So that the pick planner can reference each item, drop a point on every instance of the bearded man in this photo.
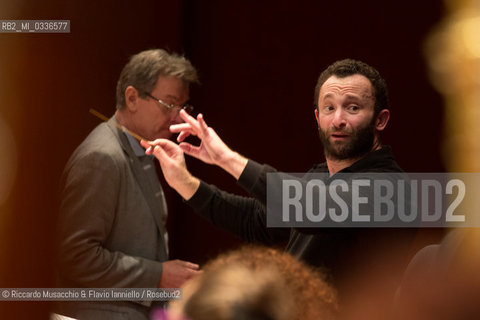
(351, 109)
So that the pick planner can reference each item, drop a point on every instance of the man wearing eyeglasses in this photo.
(112, 231)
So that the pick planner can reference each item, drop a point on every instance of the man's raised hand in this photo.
(212, 149)
(172, 162)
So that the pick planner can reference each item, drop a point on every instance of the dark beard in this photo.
(360, 144)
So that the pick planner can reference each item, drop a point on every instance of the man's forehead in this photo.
(172, 87)
(354, 85)
(171, 82)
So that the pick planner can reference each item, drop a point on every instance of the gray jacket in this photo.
(111, 223)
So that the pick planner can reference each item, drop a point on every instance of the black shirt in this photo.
(340, 251)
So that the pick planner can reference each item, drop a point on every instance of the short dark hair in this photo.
(350, 67)
(144, 68)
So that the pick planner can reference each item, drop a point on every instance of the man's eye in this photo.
(328, 108)
(354, 108)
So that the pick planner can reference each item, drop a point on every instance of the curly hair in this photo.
(309, 295)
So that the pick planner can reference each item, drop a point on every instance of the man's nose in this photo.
(339, 120)
(175, 117)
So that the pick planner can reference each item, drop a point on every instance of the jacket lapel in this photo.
(156, 203)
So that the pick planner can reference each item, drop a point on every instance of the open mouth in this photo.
(339, 135)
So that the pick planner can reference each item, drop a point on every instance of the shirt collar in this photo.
(380, 158)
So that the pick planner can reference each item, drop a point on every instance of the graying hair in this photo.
(144, 68)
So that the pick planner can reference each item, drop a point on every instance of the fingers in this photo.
(192, 269)
(160, 142)
(176, 272)
(182, 136)
(147, 146)
(162, 149)
(160, 154)
(186, 117)
(190, 265)
(189, 269)
(194, 125)
(194, 272)
(191, 150)
(175, 128)
(185, 130)
(184, 264)
(167, 145)
(203, 124)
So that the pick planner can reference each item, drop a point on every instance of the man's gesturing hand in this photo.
(212, 149)
(172, 162)
(176, 272)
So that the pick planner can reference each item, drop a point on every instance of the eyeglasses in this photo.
(187, 107)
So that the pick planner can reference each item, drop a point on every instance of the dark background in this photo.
(258, 62)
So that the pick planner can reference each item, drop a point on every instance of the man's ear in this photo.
(316, 116)
(131, 98)
(382, 119)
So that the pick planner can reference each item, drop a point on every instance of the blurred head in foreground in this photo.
(255, 283)
(442, 281)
